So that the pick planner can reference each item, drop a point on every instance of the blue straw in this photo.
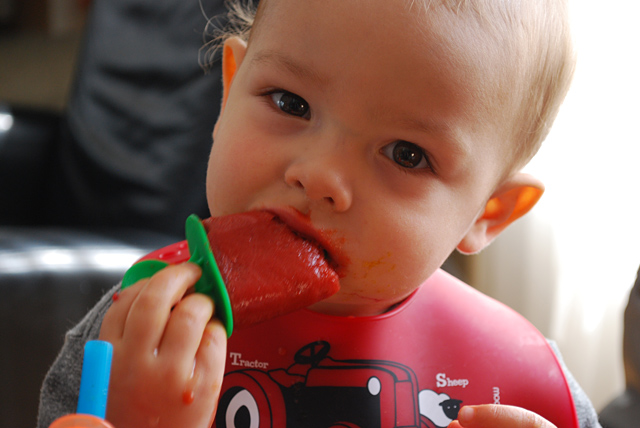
(94, 384)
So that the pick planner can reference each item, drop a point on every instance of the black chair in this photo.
(624, 410)
(85, 193)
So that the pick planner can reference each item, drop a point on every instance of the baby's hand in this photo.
(168, 355)
(498, 416)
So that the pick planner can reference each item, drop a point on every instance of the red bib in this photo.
(446, 346)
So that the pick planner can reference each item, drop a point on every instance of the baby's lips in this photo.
(301, 225)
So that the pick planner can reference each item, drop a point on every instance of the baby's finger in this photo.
(115, 318)
(500, 416)
(151, 309)
(184, 330)
(211, 357)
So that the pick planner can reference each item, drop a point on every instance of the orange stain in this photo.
(381, 262)
(188, 396)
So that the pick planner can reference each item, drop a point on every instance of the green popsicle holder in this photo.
(210, 283)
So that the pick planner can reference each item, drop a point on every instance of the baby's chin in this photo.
(345, 304)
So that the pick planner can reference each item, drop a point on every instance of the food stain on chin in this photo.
(378, 263)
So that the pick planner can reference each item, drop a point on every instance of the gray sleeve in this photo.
(59, 393)
(587, 415)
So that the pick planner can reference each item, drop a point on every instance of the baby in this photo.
(399, 129)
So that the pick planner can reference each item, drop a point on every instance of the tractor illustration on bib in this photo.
(317, 391)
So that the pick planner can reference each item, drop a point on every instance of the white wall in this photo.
(576, 255)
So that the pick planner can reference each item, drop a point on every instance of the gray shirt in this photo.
(59, 394)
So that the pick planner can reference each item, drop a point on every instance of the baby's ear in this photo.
(232, 55)
(511, 200)
(233, 52)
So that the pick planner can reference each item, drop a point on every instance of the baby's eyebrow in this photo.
(459, 147)
(297, 68)
(427, 126)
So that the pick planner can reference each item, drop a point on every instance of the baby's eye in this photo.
(407, 155)
(291, 103)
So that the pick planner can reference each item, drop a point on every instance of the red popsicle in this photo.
(268, 268)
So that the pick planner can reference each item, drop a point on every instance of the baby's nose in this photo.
(321, 180)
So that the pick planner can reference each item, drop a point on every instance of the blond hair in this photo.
(533, 37)
(239, 23)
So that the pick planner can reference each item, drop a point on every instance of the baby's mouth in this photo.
(301, 226)
(321, 250)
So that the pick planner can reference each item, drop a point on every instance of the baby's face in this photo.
(368, 121)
